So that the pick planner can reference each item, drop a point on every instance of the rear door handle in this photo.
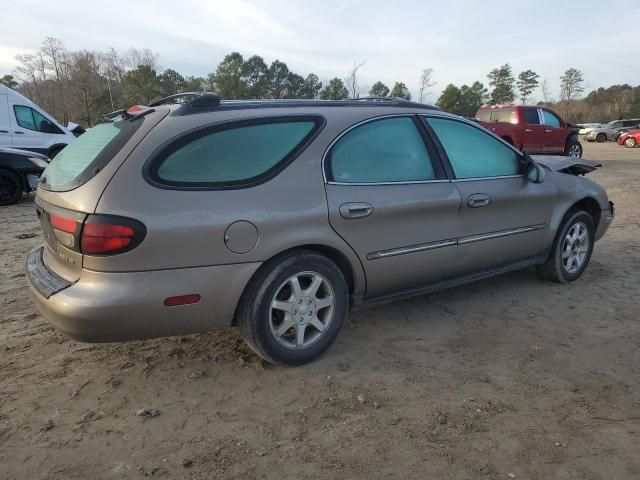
(355, 210)
(548, 131)
(478, 200)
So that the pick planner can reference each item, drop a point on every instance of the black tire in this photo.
(10, 187)
(255, 317)
(554, 268)
(630, 142)
(601, 137)
(573, 144)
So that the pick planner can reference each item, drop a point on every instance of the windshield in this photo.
(91, 152)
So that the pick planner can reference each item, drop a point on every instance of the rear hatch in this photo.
(72, 184)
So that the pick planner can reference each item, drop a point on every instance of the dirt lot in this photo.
(508, 378)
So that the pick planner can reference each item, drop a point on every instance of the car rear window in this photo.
(502, 115)
(233, 155)
(80, 161)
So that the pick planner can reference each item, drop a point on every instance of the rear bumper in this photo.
(606, 218)
(105, 307)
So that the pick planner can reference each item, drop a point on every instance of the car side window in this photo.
(24, 117)
(474, 153)
(43, 124)
(381, 151)
(28, 118)
(531, 115)
(233, 155)
(550, 119)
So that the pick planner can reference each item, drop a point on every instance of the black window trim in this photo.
(59, 131)
(445, 158)
(436, 161)
(151, 166)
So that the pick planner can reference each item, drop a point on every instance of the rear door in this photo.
(503, 218)
(5, 125)
(390, 200)
(555, 133)
(532, 131)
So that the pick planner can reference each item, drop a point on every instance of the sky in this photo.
(462, 40)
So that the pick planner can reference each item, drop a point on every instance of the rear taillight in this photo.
(110, 234)
(64, 224)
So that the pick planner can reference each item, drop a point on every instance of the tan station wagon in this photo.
(281, 216)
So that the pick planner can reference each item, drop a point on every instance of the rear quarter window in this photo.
(233, 155)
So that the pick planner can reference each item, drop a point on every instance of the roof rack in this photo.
(194, 99)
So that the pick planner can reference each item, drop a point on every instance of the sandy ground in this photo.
(512, 377)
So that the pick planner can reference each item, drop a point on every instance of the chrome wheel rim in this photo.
(575, 151)
(630, 142)
(301, 310)
(575, 247)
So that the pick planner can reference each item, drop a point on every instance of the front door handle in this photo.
(478, 200)
(19, 133)
(4, 131)
(548, 131)
(528, 130)
(355, 210)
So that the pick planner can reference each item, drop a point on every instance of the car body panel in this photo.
(635, 134)
(211, 242)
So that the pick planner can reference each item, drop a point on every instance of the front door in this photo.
(389, 199)
(504, 218)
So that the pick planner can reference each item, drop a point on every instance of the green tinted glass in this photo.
(550, 119)
(233, 155)
(75, 158)
(389, 150)
(24, 117)
(472, 152)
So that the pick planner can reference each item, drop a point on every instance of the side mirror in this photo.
(534, 172)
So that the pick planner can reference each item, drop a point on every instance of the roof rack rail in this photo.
(380, 99)
(184, 97)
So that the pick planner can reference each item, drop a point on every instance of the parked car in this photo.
(630, 139)
(531, 129)
(19, 172)
(281, 216)
(608, 131)
(26, 126)
(585, 127)
(620, 131)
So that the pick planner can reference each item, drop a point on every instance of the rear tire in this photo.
(280, 302)
(630, 142)
(573, 148)
(571, 250)
(601, 137)
(10, 187)
(55, 151)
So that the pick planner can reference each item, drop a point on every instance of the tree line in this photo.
(601, 105)
(82, 86)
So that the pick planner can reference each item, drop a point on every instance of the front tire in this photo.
(630, 142)
(573, 148)
(571, 250)
(10, 187)
(601, 137)
(293, 308)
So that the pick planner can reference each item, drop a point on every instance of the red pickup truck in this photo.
(536, 130)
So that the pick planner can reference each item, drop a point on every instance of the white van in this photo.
(26, 126)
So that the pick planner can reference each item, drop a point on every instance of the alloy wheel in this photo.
(301, 310)
(575, 151)
(575, 248)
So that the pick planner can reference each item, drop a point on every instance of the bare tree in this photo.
(426, 82)
(136, 57)
(546, 91)
(352, 80)
(571, 86)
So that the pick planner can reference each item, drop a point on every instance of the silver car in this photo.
(282, 216)
(610, 130)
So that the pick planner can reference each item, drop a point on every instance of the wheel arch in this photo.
(332, 253)
(55, 147)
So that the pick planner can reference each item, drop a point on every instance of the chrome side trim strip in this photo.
(456, 180)
(413, 249)
(501, 233)
(411, 182)
(452, 242)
